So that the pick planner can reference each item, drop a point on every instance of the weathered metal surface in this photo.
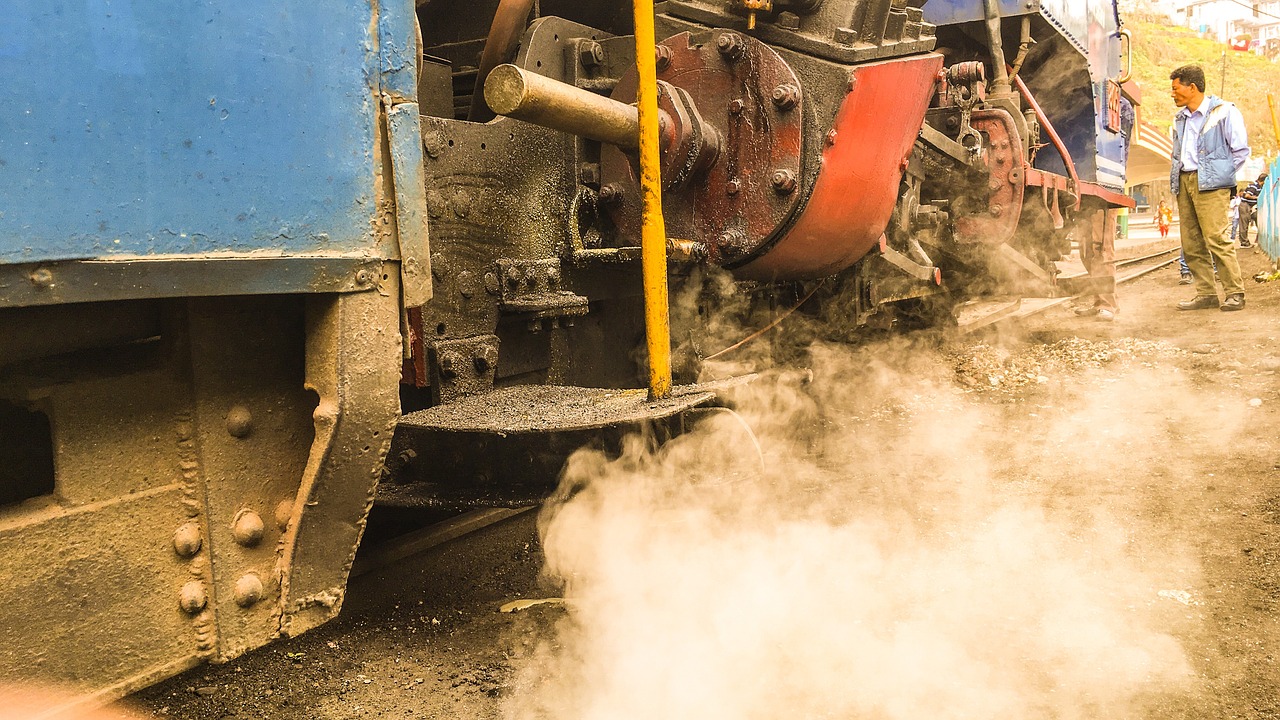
(157, 547)
(353, 365)
(75, 281)
(1111, 197)
(91, 593)
(191, 129)
(500, 46)
(864, 158)
(996, 217)
(508, 195)
(532, 290)
(199, 502)
(506, 448)
(844, 31)
(398, 49)
(548, 408)
(463, 366)
(749, 97)
(405, 135)
(243, 446)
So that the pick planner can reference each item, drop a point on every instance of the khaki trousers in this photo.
(1205, 227)
(1098, 252)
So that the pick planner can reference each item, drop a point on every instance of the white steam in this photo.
(897, 555)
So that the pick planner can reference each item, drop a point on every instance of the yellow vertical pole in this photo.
(653, 235)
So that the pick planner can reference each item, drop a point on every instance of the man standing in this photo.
(1209, 147)
(1249, 208)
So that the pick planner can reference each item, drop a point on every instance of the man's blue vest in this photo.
(1217, 168)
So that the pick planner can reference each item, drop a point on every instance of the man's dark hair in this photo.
(1189, 75)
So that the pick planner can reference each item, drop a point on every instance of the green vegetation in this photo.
(1159, 47)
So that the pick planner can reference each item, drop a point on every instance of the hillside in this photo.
(1158, 48)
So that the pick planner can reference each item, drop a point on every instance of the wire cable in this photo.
(770, 326)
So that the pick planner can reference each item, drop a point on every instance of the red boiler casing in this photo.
(862, 165)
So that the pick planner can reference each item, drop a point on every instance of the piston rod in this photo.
(534, 98)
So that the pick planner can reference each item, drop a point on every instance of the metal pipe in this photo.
(1053, 137)
(653, 234)
(537, 99)
(992, 11)
(499, 47)
(1024, 44)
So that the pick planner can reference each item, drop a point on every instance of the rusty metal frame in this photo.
(74, 281)
(353, 364)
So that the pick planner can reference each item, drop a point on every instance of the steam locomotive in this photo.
(263, 266)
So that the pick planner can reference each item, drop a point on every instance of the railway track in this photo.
(979, 315)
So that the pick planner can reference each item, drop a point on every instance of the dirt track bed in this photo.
(1064, 519)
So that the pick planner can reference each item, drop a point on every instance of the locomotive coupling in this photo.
(689, 145)
(536, 99)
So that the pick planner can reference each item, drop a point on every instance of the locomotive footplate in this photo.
(506, 448)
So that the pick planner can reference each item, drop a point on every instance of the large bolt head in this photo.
(449, 364)
(192, 598)
(730, 45)
(785, 97)
(784, 182)
(187, 540)
(485, 359)
(42, 278)
(611, 194)
(248, 590)
(732, 238)
(239, 421)
(247, 528)
(591, 54)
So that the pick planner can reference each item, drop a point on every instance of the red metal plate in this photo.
(857, 186)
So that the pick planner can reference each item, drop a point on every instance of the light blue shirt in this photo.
(1233, 130)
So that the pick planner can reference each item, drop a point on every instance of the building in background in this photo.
(1244, 25)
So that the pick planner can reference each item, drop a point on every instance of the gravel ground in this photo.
(1161, 422)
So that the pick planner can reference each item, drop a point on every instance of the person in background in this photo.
(1096, 233)
(1185, 279)
(1164, 218)
(1209, 147)
(1249, 208)
(1233, 212)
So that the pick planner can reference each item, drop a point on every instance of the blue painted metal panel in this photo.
(398, 49)
(409, 170)
(186, 128)
(1269, 214)
(954, 12)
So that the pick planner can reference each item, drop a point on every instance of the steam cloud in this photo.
(888, 550)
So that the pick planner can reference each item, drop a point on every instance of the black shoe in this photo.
(1245, 245)
(1234, 301)
(1086, 310)
(1203, 302)
(1186, 280)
